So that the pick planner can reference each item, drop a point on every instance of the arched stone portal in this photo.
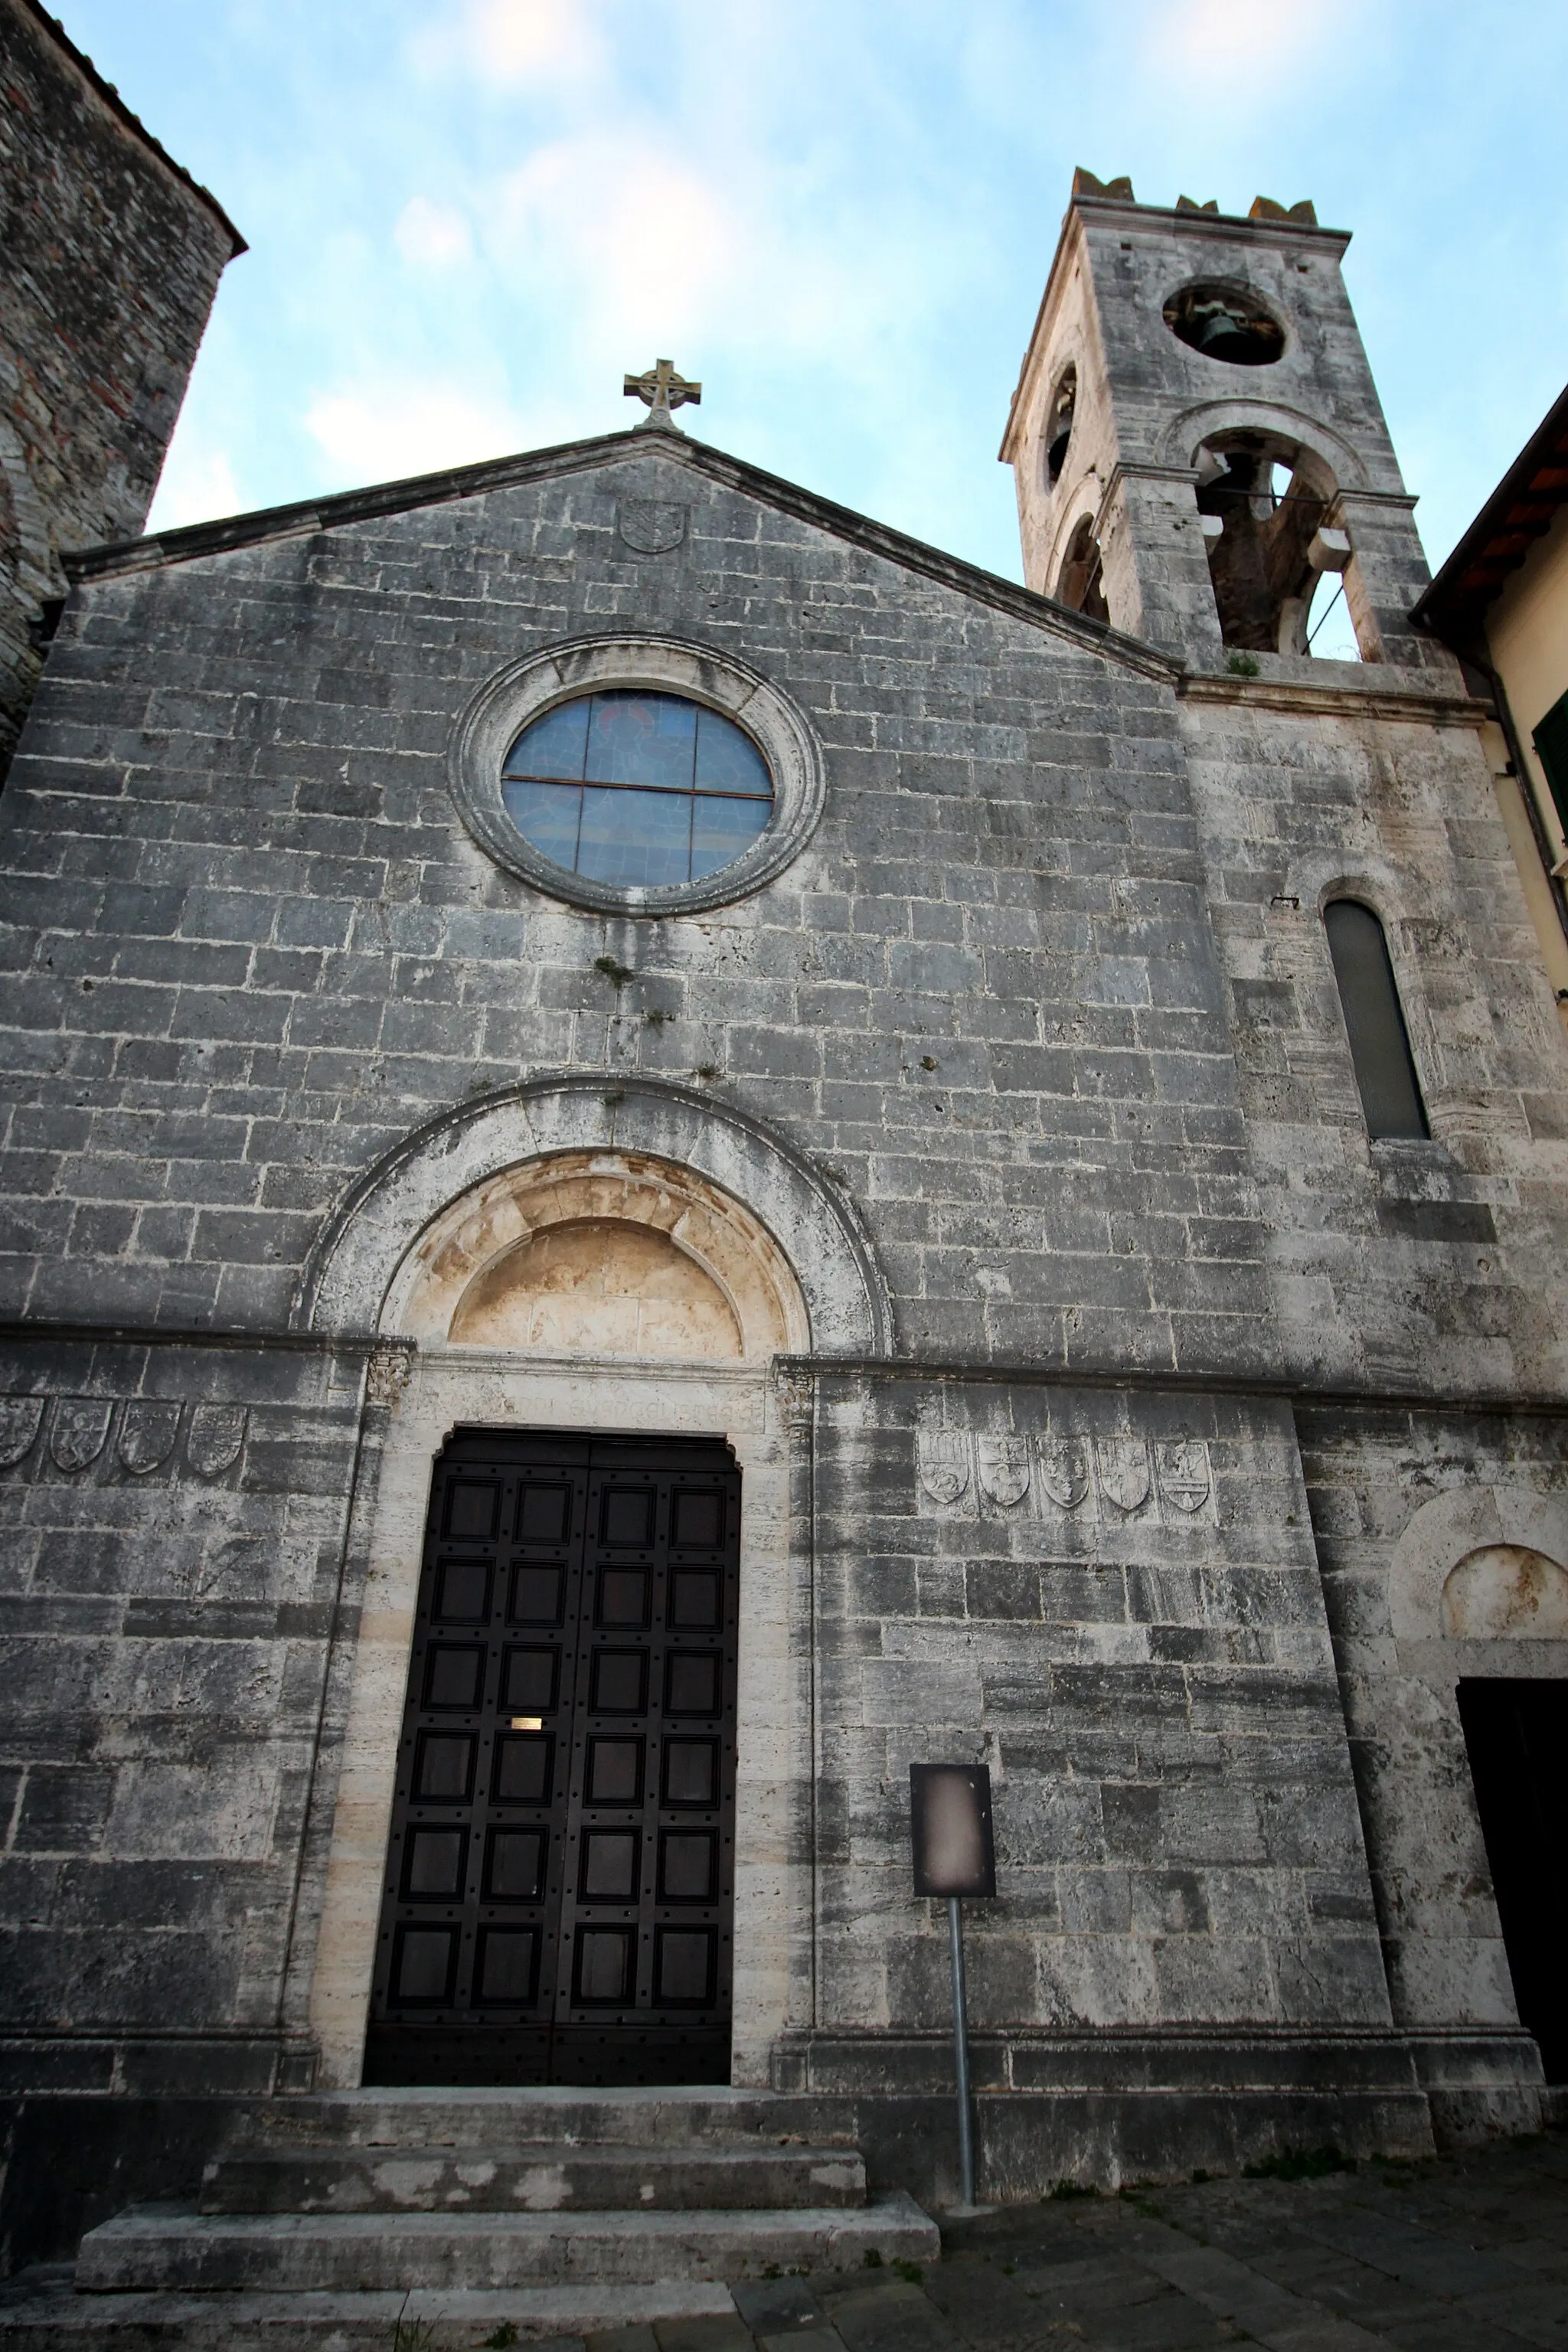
(366, 1240)
(594, 1288)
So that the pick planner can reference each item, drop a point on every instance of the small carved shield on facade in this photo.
(1184, 1466)
(19, 1419)
(944, 1463)
(78, 1428)
(1064, 1470)
(1004, 1465)
(651, 525)
(1122, 1463)
(147, 1433)
(215, 1437)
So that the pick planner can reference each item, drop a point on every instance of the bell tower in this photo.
(1201, 455)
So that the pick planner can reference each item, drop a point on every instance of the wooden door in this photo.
(558, 1895)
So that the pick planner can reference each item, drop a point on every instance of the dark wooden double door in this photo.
(559, 1891)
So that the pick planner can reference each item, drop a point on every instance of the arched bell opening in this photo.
(1059, 425)
(1275, 562)
(1080, 582)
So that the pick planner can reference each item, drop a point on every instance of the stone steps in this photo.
(539, 2178)
(170, 2250)
(446, 2218)
(51, 2316)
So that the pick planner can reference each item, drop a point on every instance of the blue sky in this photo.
(469, 216)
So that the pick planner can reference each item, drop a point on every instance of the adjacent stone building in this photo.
(110, 257)
(602, 980)
(1501, 601)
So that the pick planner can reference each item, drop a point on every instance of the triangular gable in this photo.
(406, 497)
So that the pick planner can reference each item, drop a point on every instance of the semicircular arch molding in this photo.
(348, 1278)
(600, 1253)
(1187, 433)
(1453, 1530)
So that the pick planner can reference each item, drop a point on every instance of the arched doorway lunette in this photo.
(606, 1252)
(365, 1239)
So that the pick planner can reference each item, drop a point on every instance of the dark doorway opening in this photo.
(558, 1904)
(1517, 1735)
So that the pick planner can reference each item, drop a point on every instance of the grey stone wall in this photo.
(251, 945)
(1120, 1613)
(1411, 1265)
(110, 257)
(173, 1571)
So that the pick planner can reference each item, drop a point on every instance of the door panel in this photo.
(559, 1893)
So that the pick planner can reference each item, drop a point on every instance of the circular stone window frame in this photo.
(526, 689)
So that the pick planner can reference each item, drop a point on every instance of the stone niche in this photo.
(600, 1253)
(1505, 1591)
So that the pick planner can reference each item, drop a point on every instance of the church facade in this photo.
(667, 1152)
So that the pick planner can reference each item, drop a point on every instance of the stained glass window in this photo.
(632, 787)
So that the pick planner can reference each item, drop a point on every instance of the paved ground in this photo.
(1467, 2254)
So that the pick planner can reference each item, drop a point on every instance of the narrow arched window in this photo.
(1380, 1045)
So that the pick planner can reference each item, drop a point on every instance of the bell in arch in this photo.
(1225, 335)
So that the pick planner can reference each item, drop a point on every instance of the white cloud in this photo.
(518, 43)
(376, 432)
(1237, 44)
(432, 235)
(641, 243)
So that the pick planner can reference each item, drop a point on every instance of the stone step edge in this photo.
(730, 2233)
(539, 2151)
(454, 2316)
(237, 2181)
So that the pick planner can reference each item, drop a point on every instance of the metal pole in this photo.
(961, 2051)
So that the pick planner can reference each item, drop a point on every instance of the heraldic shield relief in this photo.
(943, 1463)
(1122, 1463)
(1004, 1467)
(1064, 1470)
(1113, 1479)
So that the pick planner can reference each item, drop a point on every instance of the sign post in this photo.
(955, 1856)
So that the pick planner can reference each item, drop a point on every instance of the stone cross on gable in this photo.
(661, 390)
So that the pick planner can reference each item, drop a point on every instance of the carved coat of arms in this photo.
(1004, 1468)
(1184, 1466)
(653, 526)
(214, 1439)
(1064, 1470)
(78, 1427)
(19, 1419)
(1122, 1465)
(943, 1463)
(148, 1429)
